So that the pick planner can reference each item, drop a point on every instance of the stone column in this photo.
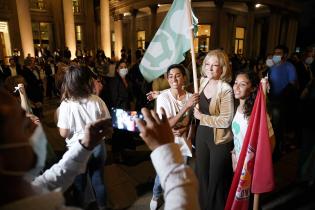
(89, 26)
(105, 27)
(57, 24)
(118, 35)
(69, 27)
(51, 37)
(274, 29)
(217, 25)
(291, 36)
(25, 26)
(250, 30)
(133, 36)
(257, 38)
(231, 33)
(153, 9)
(283, 30)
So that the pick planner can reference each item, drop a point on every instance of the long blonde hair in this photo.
(224, 64)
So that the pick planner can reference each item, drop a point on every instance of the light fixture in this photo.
(258, 5)
(127, 13)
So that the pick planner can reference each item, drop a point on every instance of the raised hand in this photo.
(153, 130)
(193, 100)
(197, 113)
(152, 95)
(96, 132)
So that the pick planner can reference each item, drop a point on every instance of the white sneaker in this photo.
(156, 203)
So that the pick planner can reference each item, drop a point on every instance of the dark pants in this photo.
(50, 87)
(213, 170)
(90, 186)
(121, 140)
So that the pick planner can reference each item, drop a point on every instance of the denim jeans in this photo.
(157, 188)
(90, 186)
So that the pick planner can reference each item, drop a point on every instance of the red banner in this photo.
(254, 171)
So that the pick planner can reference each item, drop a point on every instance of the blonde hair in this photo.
(223, 61)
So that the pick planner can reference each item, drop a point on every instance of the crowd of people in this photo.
(208, 127)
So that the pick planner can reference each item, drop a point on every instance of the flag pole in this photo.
(192, 51)
(256, 201)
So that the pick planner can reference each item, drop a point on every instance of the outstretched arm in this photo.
(75, 159)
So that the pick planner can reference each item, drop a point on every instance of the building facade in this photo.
(249, 27)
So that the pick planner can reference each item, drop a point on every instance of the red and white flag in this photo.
(254, 171)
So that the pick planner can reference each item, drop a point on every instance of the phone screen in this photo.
(125, 120)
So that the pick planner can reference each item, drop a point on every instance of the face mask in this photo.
(269, 62)
(123, 72)
(309, 60)
(38, 142)
(276, 59)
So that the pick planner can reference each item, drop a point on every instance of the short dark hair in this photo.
(77, 83)
(284, 49)
(120, 62)
(178, 66)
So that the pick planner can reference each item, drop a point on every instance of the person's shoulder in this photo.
(95, 98)
(225, 85)
(164, 95)
(203, 80)
(287, 65)
(65, 102)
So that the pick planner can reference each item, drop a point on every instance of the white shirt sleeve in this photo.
(177, 179)
(62, 174)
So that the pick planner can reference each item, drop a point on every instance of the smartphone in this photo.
(125, 120)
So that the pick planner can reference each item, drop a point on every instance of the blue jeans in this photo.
(157, 188)
(90, 186)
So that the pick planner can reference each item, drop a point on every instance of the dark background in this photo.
(306, 31)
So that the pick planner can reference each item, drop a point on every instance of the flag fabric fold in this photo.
(254, 171)
(170, 42)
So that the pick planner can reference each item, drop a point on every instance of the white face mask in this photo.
(276, 59)
(38, 142)
(123, 72)
(269, 62)
(309, 60)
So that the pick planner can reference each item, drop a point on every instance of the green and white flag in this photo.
(170, 42)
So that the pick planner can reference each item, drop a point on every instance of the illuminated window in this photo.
(38, 4)
(141, 39)
(202, 41)
(239, 40)
(76, 6)
(5, 45)
(78, 35)
(41, 34)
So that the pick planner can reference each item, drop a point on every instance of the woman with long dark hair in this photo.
(245, 90)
